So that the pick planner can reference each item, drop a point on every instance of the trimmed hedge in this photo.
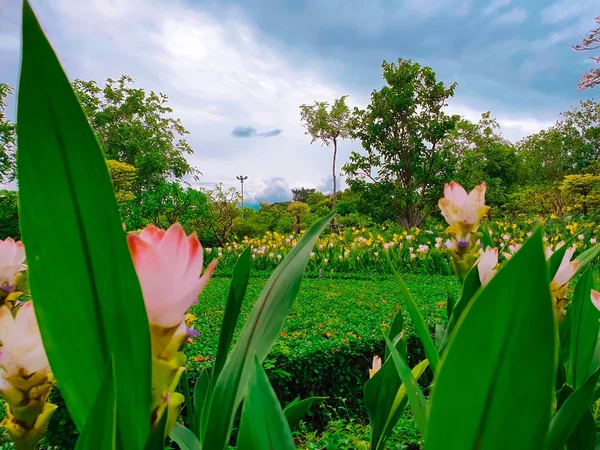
(325, 349)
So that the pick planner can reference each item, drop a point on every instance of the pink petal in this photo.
(455, 193)
(596, 299)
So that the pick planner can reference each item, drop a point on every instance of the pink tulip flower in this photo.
(12, 257)
(168, 264)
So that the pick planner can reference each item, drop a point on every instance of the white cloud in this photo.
(513, 126)
(515, 15)
(218, 71)
(494, 6)
(563, 10)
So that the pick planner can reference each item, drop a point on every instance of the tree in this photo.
(166, 204)
(484, 155)
(299, 211)
(136, 127)
(568, 147)
(9, 215)
(302, 194)
(7, 138)
(583, 189)
(329, 126)
(589, 43)
(222, 212)
(123, 177)
(402, 173)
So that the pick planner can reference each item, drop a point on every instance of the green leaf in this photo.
(100, 431)
(156, 439)
(184, 438)
(237, 291)
(263, 424)
(417, 319)
(584, 435)
(586, 257)
(201, 390)
(585, 326)
(189, 406)
(395, 330)
(507, 330)
(486, 239)
(450, 302)
(416, 399)
(257, 337)
(297, 409)
(571, 413)
(88, 300)
(385, 399)
(470, 286)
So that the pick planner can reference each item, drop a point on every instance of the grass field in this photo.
(328, 314)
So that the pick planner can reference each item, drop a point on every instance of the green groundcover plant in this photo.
(109, 323)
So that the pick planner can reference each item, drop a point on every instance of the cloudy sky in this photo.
(236, 71)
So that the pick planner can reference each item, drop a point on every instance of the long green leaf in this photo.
(237, 291)
(588, 256)
(385, 399)
(585, 326)
(584, 435)
(263, 425)
(257, 337)
(416, 399)
(100, 431)
(185, 438)
(500, 363)
(88, 300)
(297, 409)
(571, 413)
(417, 319)
(201, 393)
(469, 288)
(395, 330)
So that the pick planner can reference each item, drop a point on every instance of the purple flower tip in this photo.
(192, 333)
(463, 243)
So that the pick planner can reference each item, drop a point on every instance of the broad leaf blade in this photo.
(201, 392)
(508, 329)
(385, 399)
(416, 399)
(584, 330)
(571, 413)
(100, 431)
(296, 410)
(237, 291)
(257, 337)
(185, 438)
(417, 319)
(263, 424)
(584, 435)
(88, 300)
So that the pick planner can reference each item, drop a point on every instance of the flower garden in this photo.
(474, 333)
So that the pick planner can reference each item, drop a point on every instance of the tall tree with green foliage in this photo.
(404, 166)
(302, 194)
(484, 155)
(136, 127)
(328, 125)
(7, 138)
(568, 147)
(9, 215)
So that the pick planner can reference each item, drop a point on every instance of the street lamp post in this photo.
(242, 178)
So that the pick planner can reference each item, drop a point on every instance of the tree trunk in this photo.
(333, 173)
(410, 217)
